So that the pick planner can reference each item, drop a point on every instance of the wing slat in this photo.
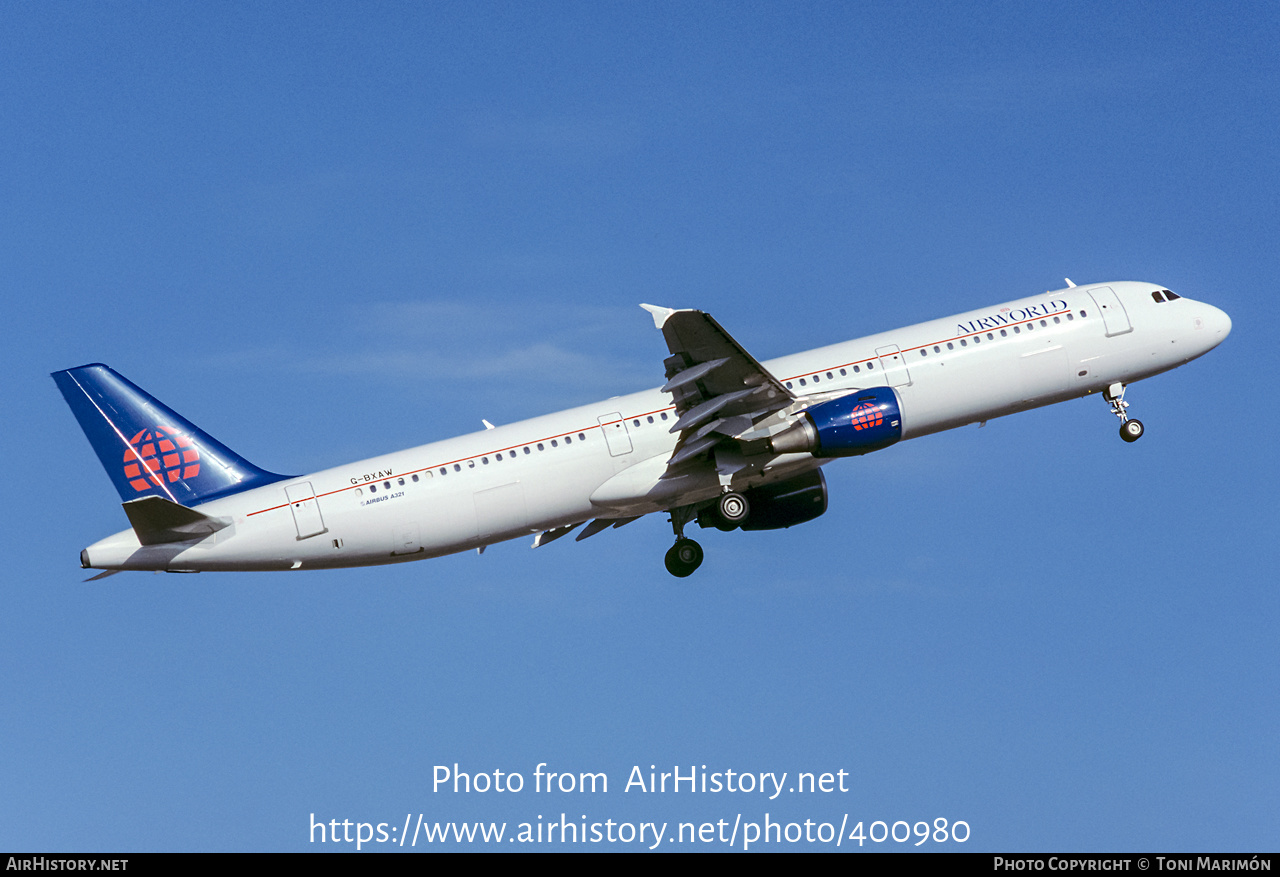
(720, 391)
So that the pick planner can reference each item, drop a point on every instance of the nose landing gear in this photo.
(1130, 430)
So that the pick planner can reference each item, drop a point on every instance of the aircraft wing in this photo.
(720, 390)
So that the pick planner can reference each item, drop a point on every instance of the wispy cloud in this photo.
(556, 350)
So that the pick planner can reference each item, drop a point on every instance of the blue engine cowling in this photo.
(787, 503)
(846, 427)
(857, 424)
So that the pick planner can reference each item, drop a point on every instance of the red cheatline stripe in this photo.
(647, 413)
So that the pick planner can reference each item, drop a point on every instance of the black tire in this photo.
(683, 558)
(734, 508)
(1131, 430)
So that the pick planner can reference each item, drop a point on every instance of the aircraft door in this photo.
(1044, 372)
(406, 539)
(1113, 313)
(894, 365)
(615, 433)
(501, 510)
(306, 510)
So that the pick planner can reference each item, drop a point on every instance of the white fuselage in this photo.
(606, 460)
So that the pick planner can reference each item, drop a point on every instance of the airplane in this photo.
(727, 442)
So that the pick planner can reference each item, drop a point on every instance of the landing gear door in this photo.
(1113, 314)
(615, 433)
(306, 510)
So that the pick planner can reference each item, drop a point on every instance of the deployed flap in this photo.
(719, 389)
(552, 535)
(157, 520)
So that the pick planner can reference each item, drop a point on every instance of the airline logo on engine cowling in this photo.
(158, 455)
(1008, 316)
(866, 416)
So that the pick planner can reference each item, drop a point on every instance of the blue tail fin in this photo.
(148, 449)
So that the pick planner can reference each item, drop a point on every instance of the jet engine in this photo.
(858, 423)
(776, 506)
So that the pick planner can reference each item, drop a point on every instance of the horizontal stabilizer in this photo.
(157, 521)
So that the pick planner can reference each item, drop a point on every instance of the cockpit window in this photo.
(1159, 297)
(1171, 295)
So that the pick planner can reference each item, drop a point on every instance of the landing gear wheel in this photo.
(683, 558)
(1131, 430)
(734, 508)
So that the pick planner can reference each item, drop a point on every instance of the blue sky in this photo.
(326, 231)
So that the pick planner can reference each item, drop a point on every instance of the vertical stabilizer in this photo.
(146, 447)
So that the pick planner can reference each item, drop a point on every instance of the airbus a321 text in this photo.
(726, 442)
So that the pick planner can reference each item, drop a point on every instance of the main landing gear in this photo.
(727, 514)
(684, 557)
(1130, 430)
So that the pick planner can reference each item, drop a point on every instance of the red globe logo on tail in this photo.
(160, 454)
(867, 416)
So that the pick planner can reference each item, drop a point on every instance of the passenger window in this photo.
(1044, 324)
(1083, 313)
(802, 383)
(991, 336)
(373, 488)
(664, 414)
(924, 352)
(568, 440)
(457, 467)
(401, 481)
(635, 423)
(1004, 333)
(387, 485)
(1070, 318)
(816, 378)
(1057, 320)
(1017, 331)
(444, 471)
(950, 346)
(870, 366)
(582, 436)
(856, 369)
(843, 373)
(553, 444)
(937, 349)
(964, 343)
(526, 449)
(540, 447)
(471, 464)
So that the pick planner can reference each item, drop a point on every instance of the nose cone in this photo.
(1217, 323)
(1223, 322)
(1212, 326)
